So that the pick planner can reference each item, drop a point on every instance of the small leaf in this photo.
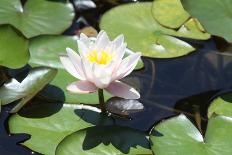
(28, 88)
(123, 106)
(222, 105)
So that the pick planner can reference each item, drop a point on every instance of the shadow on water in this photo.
(168, 87)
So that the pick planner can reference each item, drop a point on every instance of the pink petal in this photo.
(128, 64)
(82, 87)
(70, 67)
(122, 90)
(76, 61)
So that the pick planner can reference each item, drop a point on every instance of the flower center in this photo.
(101, 57)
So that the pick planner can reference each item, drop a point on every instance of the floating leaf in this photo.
(144, 34)
(48, 124)
(37, 17)
(28, 88)
(123, 107)
(45, 51)
(221, 105)
(14, 48)
(214, 15)
(105, 140)
(178, 136)
(169, 13)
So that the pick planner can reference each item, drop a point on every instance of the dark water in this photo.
(168, 86)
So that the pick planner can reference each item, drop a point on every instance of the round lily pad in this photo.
(144, 34)
(37, 17)
(105, 140)
(14, 48)
(169, 13)
(178, 136)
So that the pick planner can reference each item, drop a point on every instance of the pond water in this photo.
(168, 86)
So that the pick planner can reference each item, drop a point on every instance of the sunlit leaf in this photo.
(214, 15)
(13, 48)
(144, 34)
(178, 136)
(28, 88)
(37, 17)
(105, 140)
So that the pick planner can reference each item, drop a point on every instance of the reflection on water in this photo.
(168, 86)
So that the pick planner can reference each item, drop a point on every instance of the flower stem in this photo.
(101, 100)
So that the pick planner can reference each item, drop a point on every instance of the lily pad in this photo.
(37, 17)
(28, 88)
(105, 140)
(169, 13)
(48, 124)
(14, 48)
(178, 136)
(215, 16)
(144, 34)
(221, 105)
(45, 51)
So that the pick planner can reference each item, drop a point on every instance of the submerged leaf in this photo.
(122, 106)
(28, 88)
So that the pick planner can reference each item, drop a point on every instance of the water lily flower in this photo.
(100, 65)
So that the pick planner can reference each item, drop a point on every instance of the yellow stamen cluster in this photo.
(102, 57)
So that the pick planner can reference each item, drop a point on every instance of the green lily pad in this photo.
(48, 124)
(215, 16)
(144, 34)
(105, 140)
(37, 17)
(28, 88)
(45, 51)
(169, 13)
(14, 48)
(178, 136)
(221, 105)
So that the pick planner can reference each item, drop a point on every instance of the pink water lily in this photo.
(100, 65)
